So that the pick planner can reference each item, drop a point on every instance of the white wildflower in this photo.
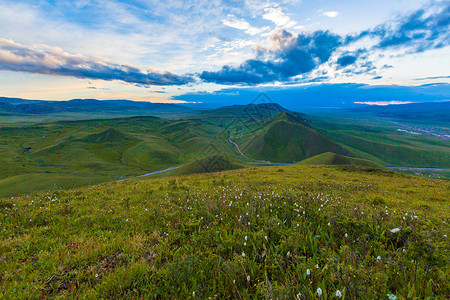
(319, 292)
(338, 294)
(248, 277)
(308, 272)
(379, 258)
(394, 230)
(243, 254)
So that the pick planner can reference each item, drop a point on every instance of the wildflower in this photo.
(317, 266)
(338, 294)
(391, 296)
(245, 244)
(193, 294)
(319, 292)
(245, 238)
(96, 275)
(308, 272)
(329, 224)
(248, 277)
(299, 295)
(243, 254)
(265, 237)
(346, 235)
(379, 258)
(394, 230)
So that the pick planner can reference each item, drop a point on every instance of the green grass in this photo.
(272, 232)
(330, 158)
(28, 183)
(209, 164)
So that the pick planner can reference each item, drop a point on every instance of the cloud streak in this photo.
(43, 59)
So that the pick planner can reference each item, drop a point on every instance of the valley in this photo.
(67, 154)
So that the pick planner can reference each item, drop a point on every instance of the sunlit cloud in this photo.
(43, 59)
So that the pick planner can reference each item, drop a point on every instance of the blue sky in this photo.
(194, 51)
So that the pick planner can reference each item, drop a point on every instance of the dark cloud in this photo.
(54, 61)
(289, 55)
(346, 60)
(421, 30)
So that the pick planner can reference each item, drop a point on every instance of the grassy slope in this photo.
(208, 164)
(285, 140)
(171, 237)
(330, 158)
(28, 183)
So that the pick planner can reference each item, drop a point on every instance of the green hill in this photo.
(330, 158)
(209, 164)
(287, 138)
(7, 108)
(279, 232)
(110, 136)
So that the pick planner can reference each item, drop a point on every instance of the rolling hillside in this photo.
(101, 150)
(209, 164)
(333, 159)
(287, 138)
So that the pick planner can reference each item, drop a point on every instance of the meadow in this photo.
(66, 154)
(303, 232)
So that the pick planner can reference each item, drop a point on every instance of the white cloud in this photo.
(330, 14)
(234, 22)
(278, 17)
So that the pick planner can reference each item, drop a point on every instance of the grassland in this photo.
(272, 232)
(333, 159)
(67, 154)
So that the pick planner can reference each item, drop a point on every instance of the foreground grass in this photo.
(275, 232)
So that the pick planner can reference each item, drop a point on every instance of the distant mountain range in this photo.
(430, 111)
(17, 106)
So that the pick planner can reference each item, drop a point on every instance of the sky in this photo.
(302, 52)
